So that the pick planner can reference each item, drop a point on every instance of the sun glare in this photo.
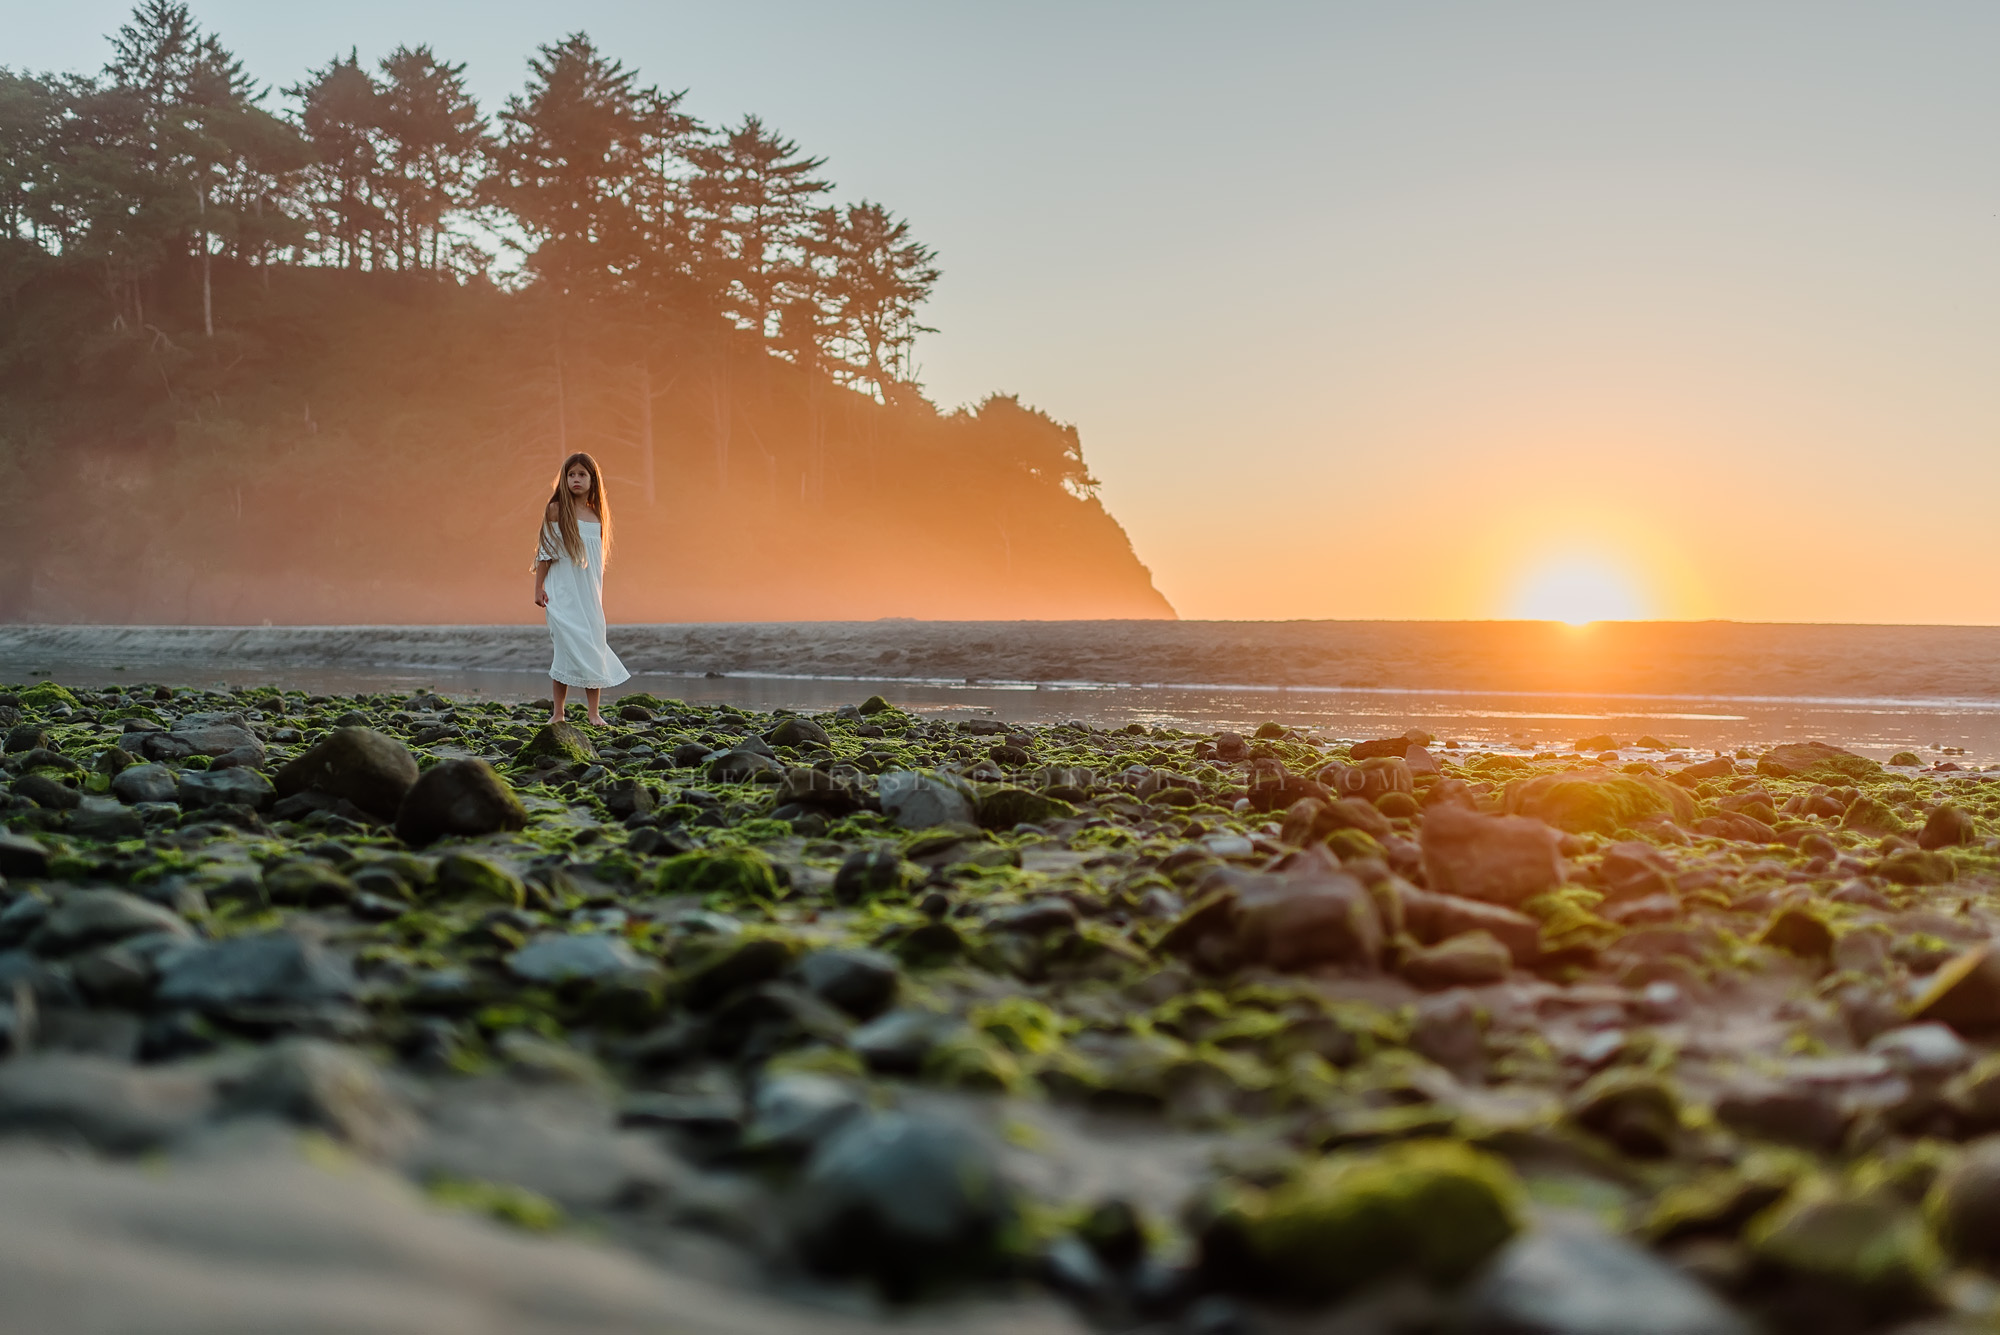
(1577, 590)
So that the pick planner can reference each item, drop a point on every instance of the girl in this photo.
(576, 538)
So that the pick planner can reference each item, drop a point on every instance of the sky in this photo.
(1413, 310)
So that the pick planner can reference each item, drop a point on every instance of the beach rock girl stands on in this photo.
(569, 584)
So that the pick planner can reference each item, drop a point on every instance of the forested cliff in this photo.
(314, 356)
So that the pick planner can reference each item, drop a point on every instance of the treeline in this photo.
(600, 186)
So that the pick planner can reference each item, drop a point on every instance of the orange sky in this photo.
(1373, 310)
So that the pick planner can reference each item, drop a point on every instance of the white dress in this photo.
(576, 611)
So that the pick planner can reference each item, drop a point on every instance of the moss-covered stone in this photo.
(559, 741)
(46, 695)
(730, 873)
(1003, 806)
(1437, 1208)
(1870, 1246)
(466, 876)
(1866, 815)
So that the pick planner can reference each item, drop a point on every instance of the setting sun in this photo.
(1577, 590)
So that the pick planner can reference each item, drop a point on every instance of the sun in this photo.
(1578, 590)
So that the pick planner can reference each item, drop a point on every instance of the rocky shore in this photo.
(406, 1013)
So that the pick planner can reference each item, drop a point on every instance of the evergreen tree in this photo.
(575, 159)
(755, 198)
(339, 113)
(880, 276)
(433, 145)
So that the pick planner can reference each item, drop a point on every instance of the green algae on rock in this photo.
(1435, 1207)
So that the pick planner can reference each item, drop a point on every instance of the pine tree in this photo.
(433, 145)
(341, 108)
(755, 197)
(880, 276)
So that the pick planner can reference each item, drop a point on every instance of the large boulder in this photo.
(463, 797)
(1500, 859)
(371, 769)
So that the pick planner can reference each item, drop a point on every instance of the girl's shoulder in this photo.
(553, 513)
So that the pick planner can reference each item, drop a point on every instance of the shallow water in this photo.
(1500, 720)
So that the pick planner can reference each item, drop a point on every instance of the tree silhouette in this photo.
(434, 144)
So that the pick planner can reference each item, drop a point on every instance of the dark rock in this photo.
(910, 1202)
(1432, 918)
(1388, 746)
(1049, 914)
(796, 1112)
(861, 982)
(1003, 807)
(105, 819)
(796, 732)
(1793, 1114)
(217, 734)
(1230, 747)
(328, 1088)
(26, 737)
(625, 798)
(371, 769)
(558, 958)
(111, 1105)
(85, 918)
(831, 794)
(44, 791)
(266, 969)
(306, 883)
(145, 783)
(1501, 859)
(22, 856)
(458, 797)
(741, 765)
(165, 746)
(921, 801)
(897, 1043)
(688, 753)
(1470, 959)
(1569, 1279)
(229, 787)
(1948, 826)
(1965, 1205)
(1310, 820)
(867, 872)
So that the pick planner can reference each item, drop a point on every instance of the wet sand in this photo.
(1515, 685)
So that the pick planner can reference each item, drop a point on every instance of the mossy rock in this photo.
(559, 741)
(1799, 932)
(736, 873)
(1912, 866)
(469, 877)
(1871, 1247)
(1635, 1110)
(875, 704)
(1906, 759)
(1866, 815)
(1598, 802)
(47, 695)
(1002, 807)
(1435, 1207)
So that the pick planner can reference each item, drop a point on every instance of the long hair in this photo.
(565, 503)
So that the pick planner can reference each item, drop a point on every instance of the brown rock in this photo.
(1500, 859)
(1965, 993)
(1470, 959)
(1948, 826)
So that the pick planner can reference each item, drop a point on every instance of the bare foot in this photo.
(597, 722)
(555, 718)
